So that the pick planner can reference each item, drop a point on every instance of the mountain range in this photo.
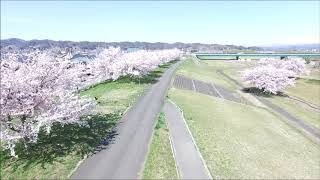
(15, 43)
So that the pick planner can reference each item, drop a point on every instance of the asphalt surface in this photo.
(188, 159)
(210, 89)
(124, 158)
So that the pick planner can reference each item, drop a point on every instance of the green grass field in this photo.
(306, 88)
(240, 141)
(160, 163)
(56, 155)
(303, 112)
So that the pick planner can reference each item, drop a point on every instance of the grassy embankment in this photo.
(243, 141)
(307, 88)
(160, 163)
(57, 154)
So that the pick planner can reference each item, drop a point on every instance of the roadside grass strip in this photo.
(239, 141)
(160, 163)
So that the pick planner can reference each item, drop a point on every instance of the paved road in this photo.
(188, 158)
(124, 158)
(291, 118)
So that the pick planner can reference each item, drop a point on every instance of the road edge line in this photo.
(194, 86)
(214, 87)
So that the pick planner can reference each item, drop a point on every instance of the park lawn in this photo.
(115, 96)
(55, 156)
(241, 141)
(26, 169)
(306, 89)
(233, 68)
(160, 163)
(206, 70)
(314, 72)
(310, 116)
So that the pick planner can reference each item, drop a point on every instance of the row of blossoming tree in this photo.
(39, 88)
(274, 75)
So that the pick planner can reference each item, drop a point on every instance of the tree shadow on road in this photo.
(65, 140)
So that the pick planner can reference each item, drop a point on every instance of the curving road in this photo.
(124, 159)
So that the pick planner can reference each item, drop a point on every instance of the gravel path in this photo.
(189, 161)
(291, 118)
(124, 158)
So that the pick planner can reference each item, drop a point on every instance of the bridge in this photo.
(212, 56)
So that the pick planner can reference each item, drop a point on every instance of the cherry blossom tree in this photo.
(39, 88)
(112, 63)
(35, 94)
(273, 75)
(268, 78)
(296, 65)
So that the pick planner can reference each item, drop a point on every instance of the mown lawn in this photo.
(57, 154)
(303, 112)
(306, 88)
(241, 141)
(160, 163)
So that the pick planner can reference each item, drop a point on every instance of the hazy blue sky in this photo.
(229, 22)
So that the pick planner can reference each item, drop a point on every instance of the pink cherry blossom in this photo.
(39, 88)
(273, 75)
